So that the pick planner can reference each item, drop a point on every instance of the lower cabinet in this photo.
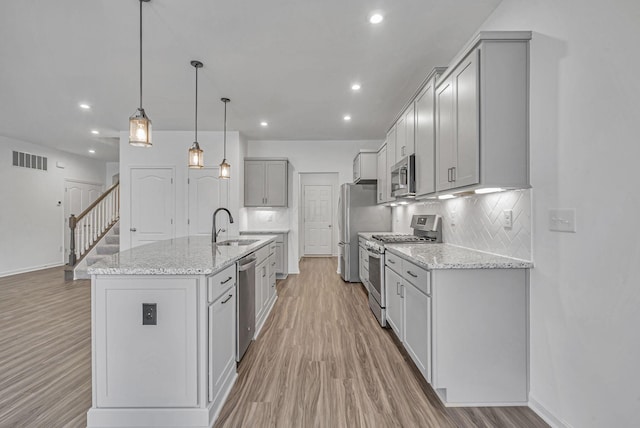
(395, 306)
(265, 283)
(417, 328)
(222, 342)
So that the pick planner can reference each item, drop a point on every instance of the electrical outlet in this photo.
(507, 219)
(562, 220)
(149, 314)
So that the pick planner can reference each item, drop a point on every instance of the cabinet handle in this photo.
(397, 288)
(402, 292)
(227, 299)
(225, 281)
(449, 175)
(273, 264)
(133, 229)
(392, 262)
(412, 274)
(453, 173)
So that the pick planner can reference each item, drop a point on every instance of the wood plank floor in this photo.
(45, 350)
(323, 361)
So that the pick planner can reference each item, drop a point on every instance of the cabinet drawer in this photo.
(393, 261)
(416, 276)
(262, 254)
(272, 248)
(221, 281)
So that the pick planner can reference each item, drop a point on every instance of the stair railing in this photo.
(93, 223)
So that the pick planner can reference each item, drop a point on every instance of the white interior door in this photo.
(207, 193)
(152, 205)
(318, 211)
(77, 197)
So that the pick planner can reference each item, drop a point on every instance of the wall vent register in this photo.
(27, 160)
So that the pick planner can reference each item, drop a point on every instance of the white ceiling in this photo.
(289, 62)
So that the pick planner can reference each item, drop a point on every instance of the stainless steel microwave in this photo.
(403, 177)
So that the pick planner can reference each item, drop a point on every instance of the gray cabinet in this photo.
(405, 133)
(425, 136)
(395, 296)
(281, 251)
(265, 182)
(382, 175)
(222, 341)
(364, 167)
(482, 115)
(391, 160)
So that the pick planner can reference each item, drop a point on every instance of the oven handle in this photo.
(374, 255)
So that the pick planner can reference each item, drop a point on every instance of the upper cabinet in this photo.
(391, 160)
(265, 182)
(425, 135)
(482, 115)
(365, 167)
(405, 133)
(382, 174)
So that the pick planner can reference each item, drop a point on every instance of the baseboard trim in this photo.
(30, 269)
(540, 410)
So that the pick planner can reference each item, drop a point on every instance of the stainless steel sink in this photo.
(237, 242)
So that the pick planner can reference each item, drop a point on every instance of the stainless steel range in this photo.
(427, 228)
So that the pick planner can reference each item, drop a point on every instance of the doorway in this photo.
(78, 195)
(318, 202)
(152, 205)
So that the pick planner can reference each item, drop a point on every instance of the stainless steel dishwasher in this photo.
(246, 320)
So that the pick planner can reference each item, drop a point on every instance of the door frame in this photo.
(65, 216)
(318, 178)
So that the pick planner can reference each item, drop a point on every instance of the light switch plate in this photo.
(507, 219)
(562, 220)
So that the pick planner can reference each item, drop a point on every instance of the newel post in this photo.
(72, 240)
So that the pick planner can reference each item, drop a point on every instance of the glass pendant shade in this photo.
(140, 129)
(225, 169)
(196, 156)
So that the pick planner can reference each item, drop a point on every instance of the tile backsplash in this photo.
(478, 221)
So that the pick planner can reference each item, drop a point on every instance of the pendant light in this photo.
(225, 168)
(139, 123)
(196, 159)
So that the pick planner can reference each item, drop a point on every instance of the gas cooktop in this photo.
(400, 238)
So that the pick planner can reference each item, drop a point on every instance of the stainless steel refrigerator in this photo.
(357, 212)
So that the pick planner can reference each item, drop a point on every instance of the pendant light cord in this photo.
(140, 54)
(196, 140)
(225, 130)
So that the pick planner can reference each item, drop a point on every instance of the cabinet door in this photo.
(425, 141)
(445, 134)
(401, 138)
(264, 284)
(222, 341)
(417, 328)
(259, 298)
(276, 184)
(394, 293)
(391, 160)
(279, 257)
(409, 123)
(382, 174)
(356, 168)
(254, 183)
(467, 108)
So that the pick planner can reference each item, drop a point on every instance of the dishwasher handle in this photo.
(246, 263)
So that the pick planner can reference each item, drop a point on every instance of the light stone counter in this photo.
(446, 256)
(263, 231)
(191, 255)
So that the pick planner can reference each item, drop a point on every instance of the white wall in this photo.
(113, 172)
(31, 222)
(304, 156)
(585, 295)
(170, 149)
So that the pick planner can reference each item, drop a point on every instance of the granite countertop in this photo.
(446, 256)
(264, 231)
(367, 235)
(190, 255)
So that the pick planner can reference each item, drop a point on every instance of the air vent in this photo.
(27, 160)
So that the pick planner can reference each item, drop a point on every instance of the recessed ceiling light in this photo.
(355, 87)
(85, 106)
(263, 123)
(347, 118)
(91, 151)
(376, 18)
(95, 132)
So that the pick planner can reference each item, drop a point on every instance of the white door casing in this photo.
(207, 192)
(78, 195)
(318, 210)
(152, 205)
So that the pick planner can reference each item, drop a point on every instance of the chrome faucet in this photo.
(214, 232)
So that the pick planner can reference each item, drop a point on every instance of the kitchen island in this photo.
(164, 330)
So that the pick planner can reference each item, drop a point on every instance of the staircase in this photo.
(95, 234)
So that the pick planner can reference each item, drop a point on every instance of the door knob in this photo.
(329, 225)
(133, 229)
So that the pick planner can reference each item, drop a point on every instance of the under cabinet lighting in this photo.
(404, 203)
(95, 132)
(446, 197)
(85, 106)
(489, 190)
(92, 151)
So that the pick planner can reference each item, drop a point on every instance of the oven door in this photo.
(376, 277)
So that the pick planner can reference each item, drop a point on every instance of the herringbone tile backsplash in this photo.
(477, 221)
